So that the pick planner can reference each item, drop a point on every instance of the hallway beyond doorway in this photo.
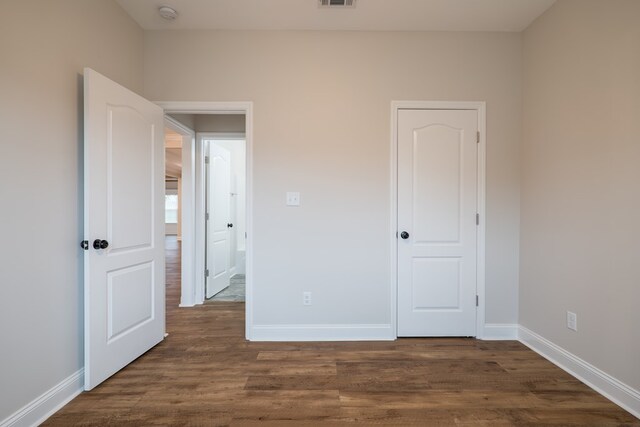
(234, 292)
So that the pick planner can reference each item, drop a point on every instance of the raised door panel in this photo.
(437, 170)
(130, 299)
(130, 148)
(436, 284)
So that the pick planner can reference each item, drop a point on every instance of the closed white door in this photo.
(437, 231)
(124, 227)
(218, 224)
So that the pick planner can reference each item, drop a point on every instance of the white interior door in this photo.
(218, 224)
(124, 227)
(437, 231)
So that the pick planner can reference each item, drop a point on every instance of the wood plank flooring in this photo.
(206, 374)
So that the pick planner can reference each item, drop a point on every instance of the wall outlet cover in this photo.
(572, 321)
(293, 198)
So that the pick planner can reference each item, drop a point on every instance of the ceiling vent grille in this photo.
(336, 3)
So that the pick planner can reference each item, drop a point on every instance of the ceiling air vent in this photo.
(336, 3)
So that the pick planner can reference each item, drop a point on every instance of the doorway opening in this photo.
(211, 121)
(225, 218)
(177, 138)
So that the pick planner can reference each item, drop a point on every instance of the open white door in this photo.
(437, 222)
(124, 313)
(218, 225)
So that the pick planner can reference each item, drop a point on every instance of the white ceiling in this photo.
(368, 15)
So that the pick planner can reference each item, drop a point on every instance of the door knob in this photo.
(229, 225)
(404, 235)
(100, 244)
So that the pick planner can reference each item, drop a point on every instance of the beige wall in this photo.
(231, 123)
(44, 46)
(226, 123)
(322, 127)
(580, 231)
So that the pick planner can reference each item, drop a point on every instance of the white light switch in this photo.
(293, 198)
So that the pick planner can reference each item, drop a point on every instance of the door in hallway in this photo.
(218, 223)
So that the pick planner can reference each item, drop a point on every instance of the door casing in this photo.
(480, 107)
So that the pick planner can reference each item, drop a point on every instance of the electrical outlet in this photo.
(293, 198)
(306, 298)
(572, 321)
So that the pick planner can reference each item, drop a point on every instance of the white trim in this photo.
(393, 225)
(319, 332)
(187, 208)
(38, 410)
(608, 386)
(480, 107)
(177, 126)
(500, 331)
(245, 108)
(204, 107)
(200, 221)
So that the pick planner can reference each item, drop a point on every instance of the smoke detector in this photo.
(336, 3)
(168, 13)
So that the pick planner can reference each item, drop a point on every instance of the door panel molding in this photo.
(480, 108)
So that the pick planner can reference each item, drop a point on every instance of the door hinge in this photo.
(478, 137)
(477, 301)
(477, 219)
(206, 159)
(206, 273)
(206, 216)
(245, 234)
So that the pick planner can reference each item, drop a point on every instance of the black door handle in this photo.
(229, 225)
(404, 235)
(100, 244)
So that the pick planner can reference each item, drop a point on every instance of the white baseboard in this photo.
(41, 408)
(322, 333)
(500, 331)
(613, 389)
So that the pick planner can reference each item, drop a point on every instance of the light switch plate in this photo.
(293, 198)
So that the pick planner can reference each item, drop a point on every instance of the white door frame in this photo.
(480, 107)
(193, 286)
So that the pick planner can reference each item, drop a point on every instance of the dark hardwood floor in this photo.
(205, 374)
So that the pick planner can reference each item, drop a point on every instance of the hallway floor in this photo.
(206, 374)
(234, 292)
